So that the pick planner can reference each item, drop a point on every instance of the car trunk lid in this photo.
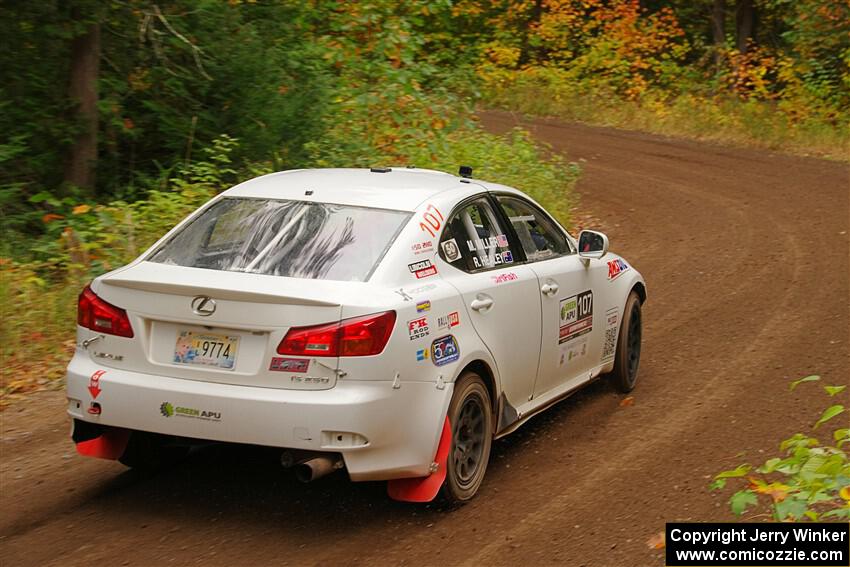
(217, 326)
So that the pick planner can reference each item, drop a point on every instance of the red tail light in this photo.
(96, 314)
(360, 336)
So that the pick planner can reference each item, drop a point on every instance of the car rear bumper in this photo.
(382, 432)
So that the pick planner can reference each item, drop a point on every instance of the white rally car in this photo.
(389, 321)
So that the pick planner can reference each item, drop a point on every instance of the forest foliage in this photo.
(119, 117)
(771, 73)
(328, 83)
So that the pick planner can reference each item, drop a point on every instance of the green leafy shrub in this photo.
(811, 480)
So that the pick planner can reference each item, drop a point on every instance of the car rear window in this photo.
(285, 238)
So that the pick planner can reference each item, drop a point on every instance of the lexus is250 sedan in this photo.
(391, 322)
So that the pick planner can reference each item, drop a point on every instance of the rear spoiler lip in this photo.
(216, 293)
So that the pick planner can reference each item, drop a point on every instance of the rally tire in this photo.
(471, 418)
(151, 451)
(627, 362)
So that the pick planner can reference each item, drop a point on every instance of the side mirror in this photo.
(592, 245)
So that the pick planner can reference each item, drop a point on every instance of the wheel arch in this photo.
(482, 368)
(640, 288)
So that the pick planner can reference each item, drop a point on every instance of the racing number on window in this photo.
(433, 219)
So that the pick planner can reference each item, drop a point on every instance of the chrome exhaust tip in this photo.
(317, 467)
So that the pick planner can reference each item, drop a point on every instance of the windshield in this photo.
(285, 238)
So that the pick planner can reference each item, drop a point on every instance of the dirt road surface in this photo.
(746, 257)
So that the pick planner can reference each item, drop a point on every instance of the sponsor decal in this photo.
(448, 321)
(280, 364)
(451, 250)
(421, 289)
(423, 354)
(609, 347)
(422, 269)
(169, 410)
(506, 277)
(576, 316)
(572, 350)
(615, 268)
(432, 220)
(423, 306)
(418, 328)
(420, 265)
(422, 247)
(445, 350)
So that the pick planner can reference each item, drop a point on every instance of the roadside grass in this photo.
(40, 279)
(722, 119)
(37, 325)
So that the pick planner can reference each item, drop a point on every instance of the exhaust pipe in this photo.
(318, 467)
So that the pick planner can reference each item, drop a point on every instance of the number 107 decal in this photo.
(433, 220)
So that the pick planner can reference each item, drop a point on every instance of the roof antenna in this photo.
(465, 171)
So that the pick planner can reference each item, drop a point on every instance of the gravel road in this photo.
(746, 258)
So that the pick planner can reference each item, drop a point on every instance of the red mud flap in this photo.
(109, 445)
(425, 488)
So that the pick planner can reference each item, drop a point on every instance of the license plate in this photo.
(206, 349)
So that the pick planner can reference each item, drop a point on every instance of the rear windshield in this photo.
(285, 238)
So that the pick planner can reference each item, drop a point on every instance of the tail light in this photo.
(96, 314)
(359, 336)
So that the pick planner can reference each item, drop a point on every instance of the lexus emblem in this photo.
(203, 305)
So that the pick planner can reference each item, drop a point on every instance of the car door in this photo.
(501, 296)
(567, 289)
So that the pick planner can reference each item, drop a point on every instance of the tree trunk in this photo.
(718, 29)
(745, 21)
(718, 23)
(85, 66)
(525, 56)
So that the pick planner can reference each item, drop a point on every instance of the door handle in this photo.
(482, 304)
(549, 288)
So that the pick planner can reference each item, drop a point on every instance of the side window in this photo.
(540, 237)
(474, 238)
